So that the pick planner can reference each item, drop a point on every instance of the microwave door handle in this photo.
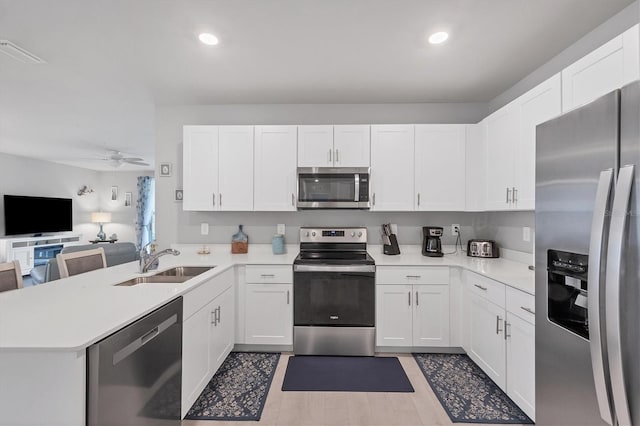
(594, 288)
(615, 257)
(356, 189)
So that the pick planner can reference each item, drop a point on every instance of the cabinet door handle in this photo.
(506, 330)
(418, 198)
(508, 196)
(337, 156)
(214, 199)
(220, 199)
(480, 287)
(214, 318)
(287, 297)
(413, 276)
(417, 300)
(374, 199)
(330, 155)
(409, 294)
(498, 321)
(514, 191)
(293, 199)
(219, 316)
(528, 310)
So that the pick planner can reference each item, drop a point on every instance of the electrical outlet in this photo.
(280, 229)
(454, 229)
(526, 234)
(204, 228)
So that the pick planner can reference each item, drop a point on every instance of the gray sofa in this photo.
(115, 254)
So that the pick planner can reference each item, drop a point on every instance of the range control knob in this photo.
(306, 234)
(359, 234)
(353, 234)
(313, 234)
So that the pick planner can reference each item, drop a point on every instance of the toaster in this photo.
(482, 248)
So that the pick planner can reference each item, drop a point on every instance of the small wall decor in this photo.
(114, 193)
(127, 199)
(165, 169)
(84, 190)
(179, 194)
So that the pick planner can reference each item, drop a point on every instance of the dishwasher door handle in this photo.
(132, 347)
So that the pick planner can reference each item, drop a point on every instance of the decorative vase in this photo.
(277, 244)
(239, 241)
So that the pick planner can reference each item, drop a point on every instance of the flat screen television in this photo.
(36, 215)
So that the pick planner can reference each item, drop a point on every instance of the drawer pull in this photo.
(267, 275)
(414, 276)
(480, 287)
(528, 310)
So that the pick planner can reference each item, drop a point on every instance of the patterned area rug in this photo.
(467, 394)
(238, 390)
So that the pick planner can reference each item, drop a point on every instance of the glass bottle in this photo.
(239, 241)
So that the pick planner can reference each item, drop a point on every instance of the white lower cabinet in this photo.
(208, 334)
(268, 305)
(412, 314)
(269, 314)
(500, 337)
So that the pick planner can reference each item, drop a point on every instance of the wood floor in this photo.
(347, 408)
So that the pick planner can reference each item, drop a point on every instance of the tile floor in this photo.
(348, 408)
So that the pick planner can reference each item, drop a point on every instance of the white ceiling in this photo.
(109, 62)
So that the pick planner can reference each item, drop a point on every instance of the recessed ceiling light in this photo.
(439, 37)
(208, 39)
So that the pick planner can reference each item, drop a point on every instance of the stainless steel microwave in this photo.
(333, 188)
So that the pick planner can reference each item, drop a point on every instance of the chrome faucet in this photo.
(149, 260)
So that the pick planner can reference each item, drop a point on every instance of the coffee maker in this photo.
(431, 245)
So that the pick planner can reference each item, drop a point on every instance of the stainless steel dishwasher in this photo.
(134, 375)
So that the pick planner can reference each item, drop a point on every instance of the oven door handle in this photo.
(334, 268)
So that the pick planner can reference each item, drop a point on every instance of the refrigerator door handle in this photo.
(615, 257)
(598, 240)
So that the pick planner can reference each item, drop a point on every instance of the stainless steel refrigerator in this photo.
(587, 264)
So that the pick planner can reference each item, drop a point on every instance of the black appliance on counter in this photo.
(334, 293)
(431, 244)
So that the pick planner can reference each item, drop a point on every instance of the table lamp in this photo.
(101, 218)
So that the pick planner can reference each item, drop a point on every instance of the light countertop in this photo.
(72, 313)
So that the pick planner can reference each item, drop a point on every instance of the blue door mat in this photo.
(345, 374)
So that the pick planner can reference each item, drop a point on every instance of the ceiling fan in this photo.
(117, 159)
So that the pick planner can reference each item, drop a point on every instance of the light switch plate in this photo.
(280, 229)
(526, 234)
(204, 228)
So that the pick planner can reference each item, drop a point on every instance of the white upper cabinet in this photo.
(200, 167)
(536, 106)
(440, 167)
(352, 145)
(236, 168)
(511, 146)
(315, 146)
(218, 168)
(607, 68)
(334, 146)
(476, 145)
(275, 168)
(392, 162)
(503, 128)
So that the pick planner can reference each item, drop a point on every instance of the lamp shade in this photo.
(101, 217)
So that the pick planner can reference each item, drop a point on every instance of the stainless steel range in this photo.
(334, 293)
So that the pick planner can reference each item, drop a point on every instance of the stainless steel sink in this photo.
(155, 279)
(184, 271)
(179, 274)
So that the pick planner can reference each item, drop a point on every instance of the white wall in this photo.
(26, 176)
